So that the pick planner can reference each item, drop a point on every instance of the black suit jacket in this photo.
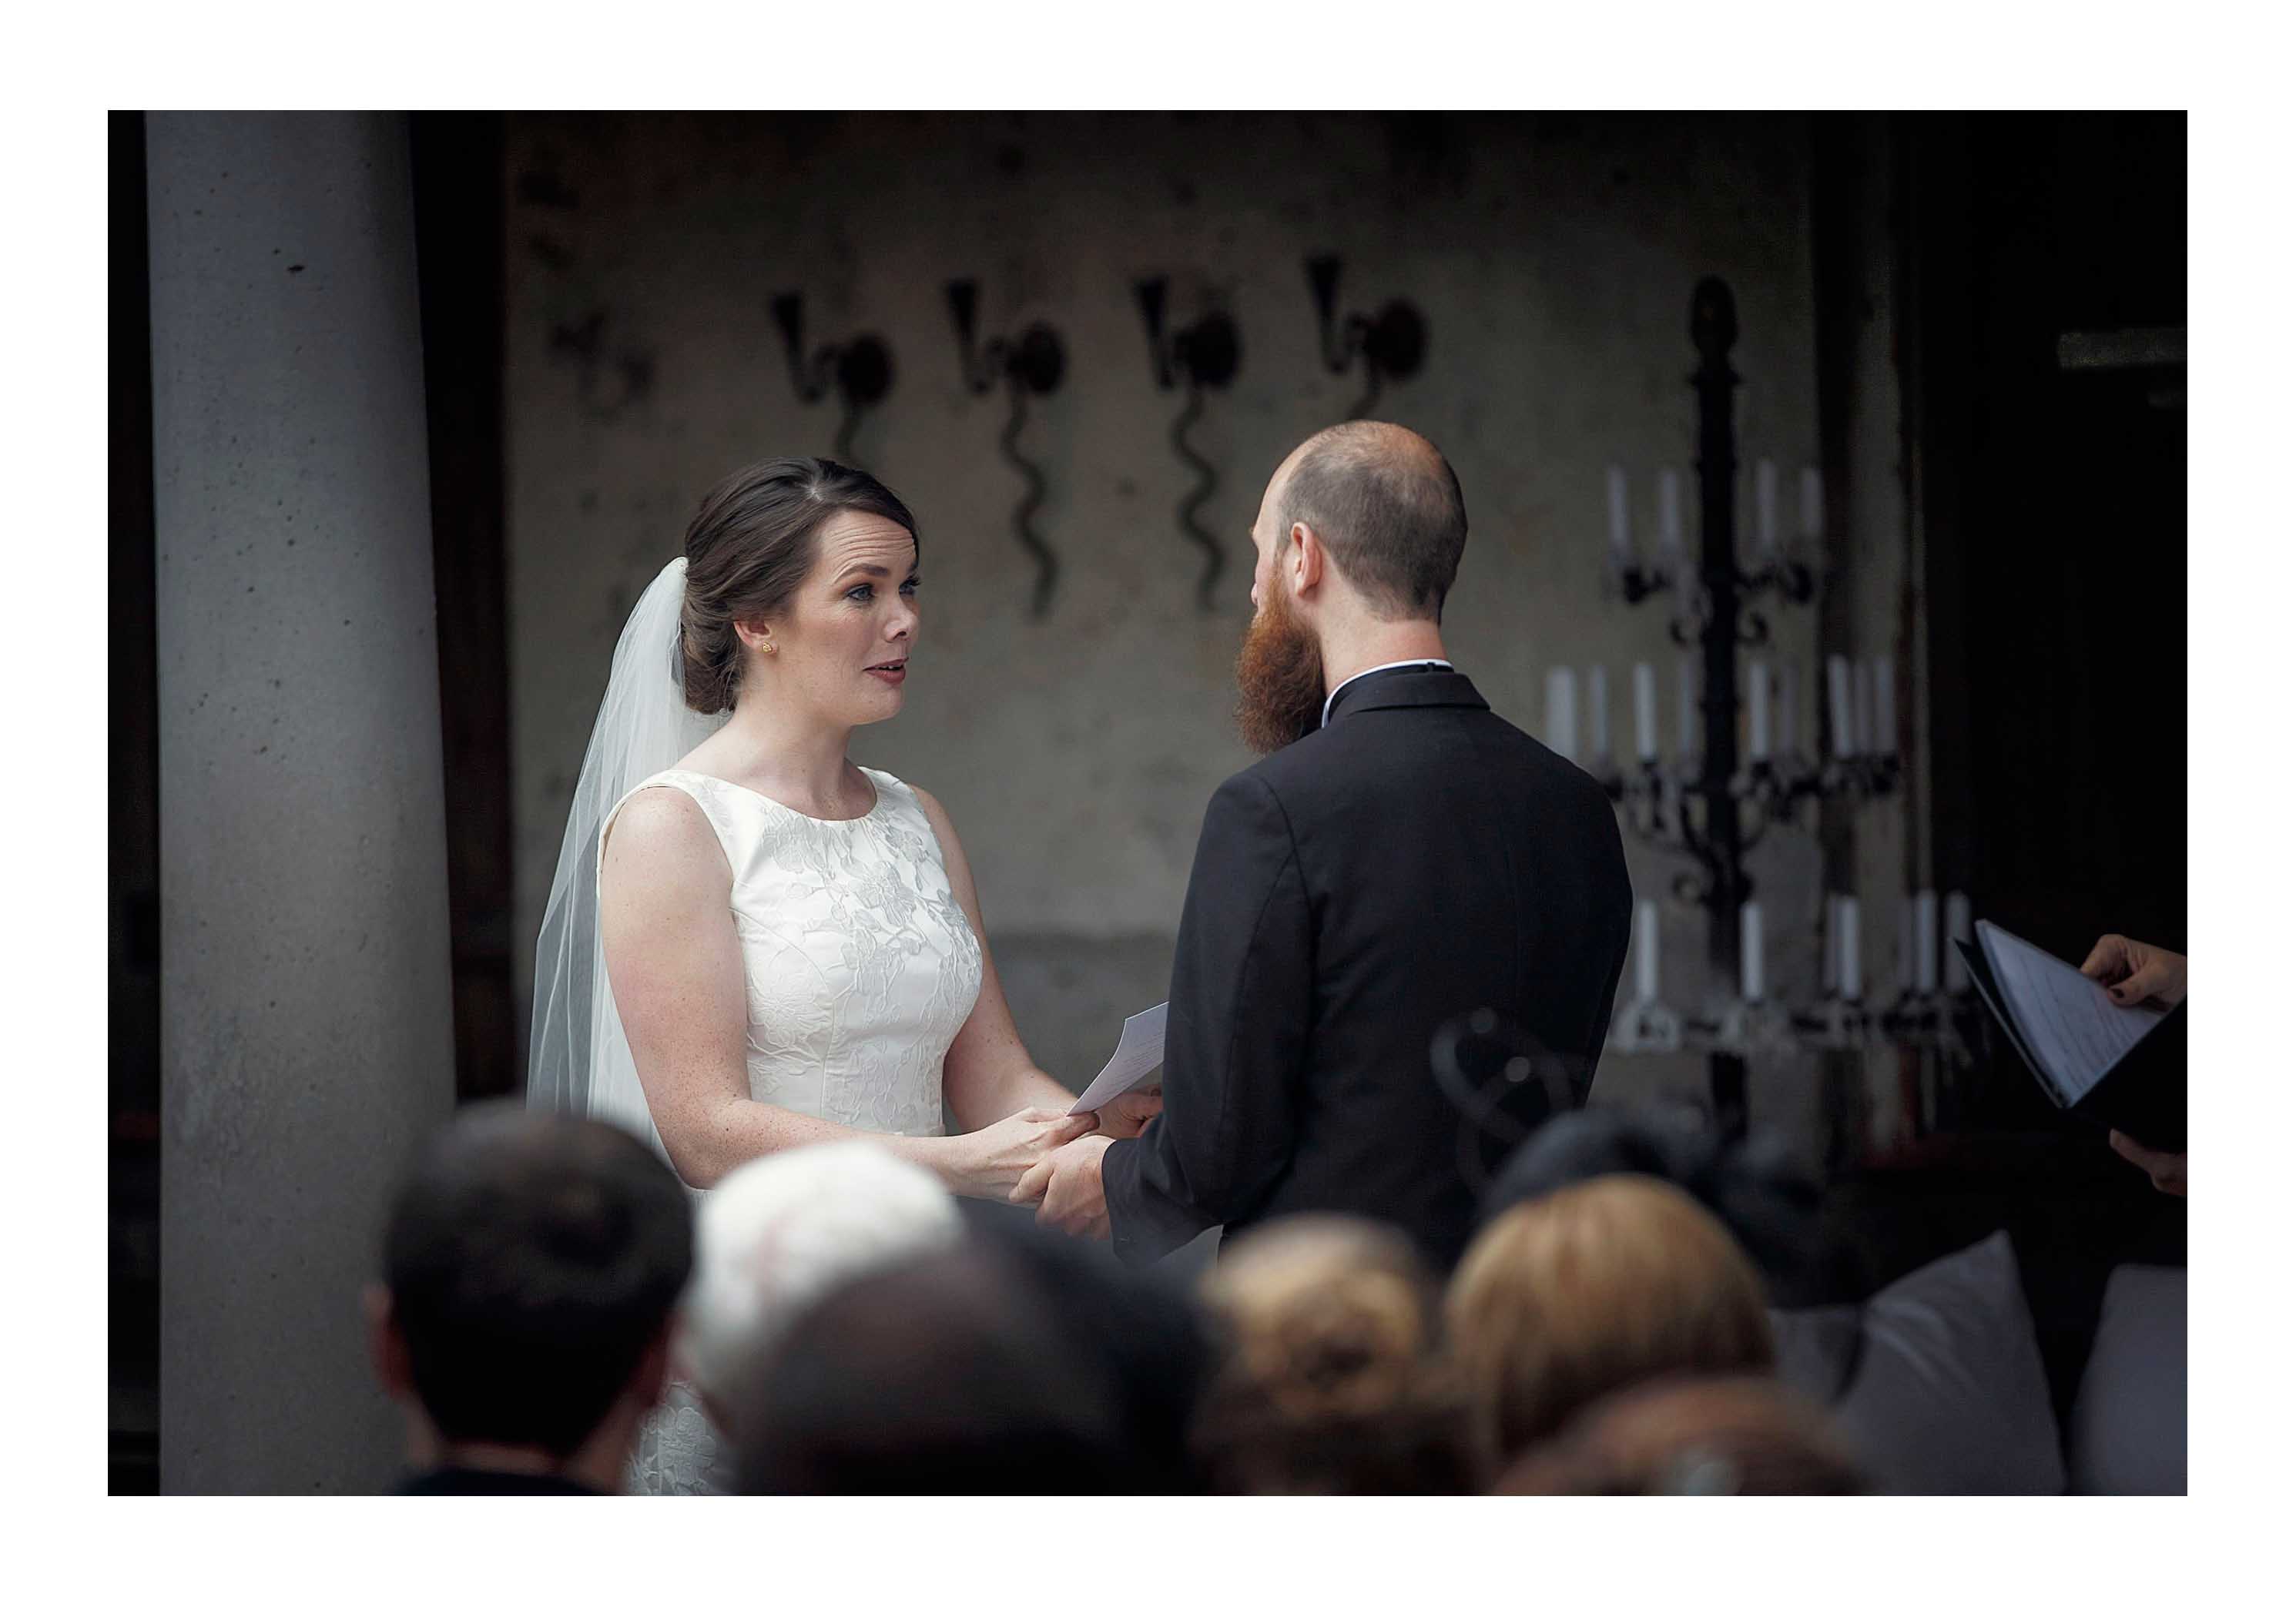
(1415, 859)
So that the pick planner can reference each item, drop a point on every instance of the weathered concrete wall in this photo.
(307, 1032)
(1554, 259)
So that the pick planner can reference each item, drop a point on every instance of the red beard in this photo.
(1280, 673)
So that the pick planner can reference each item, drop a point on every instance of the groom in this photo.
(1402, 857)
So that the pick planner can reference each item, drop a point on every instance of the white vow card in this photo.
(1139, 1053)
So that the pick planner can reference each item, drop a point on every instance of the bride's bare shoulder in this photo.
(661, 830)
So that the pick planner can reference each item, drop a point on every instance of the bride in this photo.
(752, 942)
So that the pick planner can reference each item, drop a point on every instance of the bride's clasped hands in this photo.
(997, 1157)
(1065, 1185)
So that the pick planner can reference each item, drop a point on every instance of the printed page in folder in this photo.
(2069, 1022)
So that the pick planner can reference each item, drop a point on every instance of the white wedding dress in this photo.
(861, 968)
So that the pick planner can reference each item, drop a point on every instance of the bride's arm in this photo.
(672, 955)
(989, 1072)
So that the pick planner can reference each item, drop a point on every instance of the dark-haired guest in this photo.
(1594, 1288)
(531, 1265)
(1014, 1364)
(1695, 1437)
(1333, 1378)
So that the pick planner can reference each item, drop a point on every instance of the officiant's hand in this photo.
(1001, 1153)
(2166, 1170)
(2136, 974)
(1069, 1181)
(1124, 1116)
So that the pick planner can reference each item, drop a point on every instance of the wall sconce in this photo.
(1030, 365)
(607, 380)
(1393, 344)
(861, 369)
(1204, 356)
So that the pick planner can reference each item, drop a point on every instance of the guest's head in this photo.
(1010, 1364)
(1362, 524)
(1143, 1329)
(778, 1234)
(1755, 1186)
(1593, 1288)
(1693, 1436)
(531, 1267)
(801, 584)
(1334, 1377)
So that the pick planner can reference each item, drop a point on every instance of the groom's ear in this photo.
(1306, 559)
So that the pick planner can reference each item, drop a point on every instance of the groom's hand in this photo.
(1124, 1116)
(1069, 1181)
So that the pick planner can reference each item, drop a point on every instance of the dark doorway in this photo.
(2051, 502)
(133, 984)
(2055, 514)
(458, 223)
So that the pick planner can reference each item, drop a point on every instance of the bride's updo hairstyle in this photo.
(749, 547)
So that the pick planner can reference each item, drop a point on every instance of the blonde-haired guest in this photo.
(1333, 1378)
(777, 1235)
(1561, 1301)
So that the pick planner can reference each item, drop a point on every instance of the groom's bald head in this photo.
(1386, 506)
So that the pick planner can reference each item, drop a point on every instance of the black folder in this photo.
(2139, 1092)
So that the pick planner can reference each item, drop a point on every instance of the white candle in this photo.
(1669, 512)
(1766, 507)
(1598, 712)
(1838, 713)
(1750, 951)
(1646, 713)
(1686, 708)
(1789, 710)
(1758, 709)
(1562, 713)
(1925, 943)
(1885, 707)
(1622, 540)
(1958, 928)
(1861, 708)
(1813, 506)
(1646, 951)
(1853, 975)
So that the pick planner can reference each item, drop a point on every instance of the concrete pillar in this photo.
(306, 1036)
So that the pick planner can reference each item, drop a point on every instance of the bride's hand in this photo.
(1003, 1151)
(1124, 1116)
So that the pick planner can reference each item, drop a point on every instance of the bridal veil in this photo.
(578, 1060)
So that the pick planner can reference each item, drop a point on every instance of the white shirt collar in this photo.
(1374, 669)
